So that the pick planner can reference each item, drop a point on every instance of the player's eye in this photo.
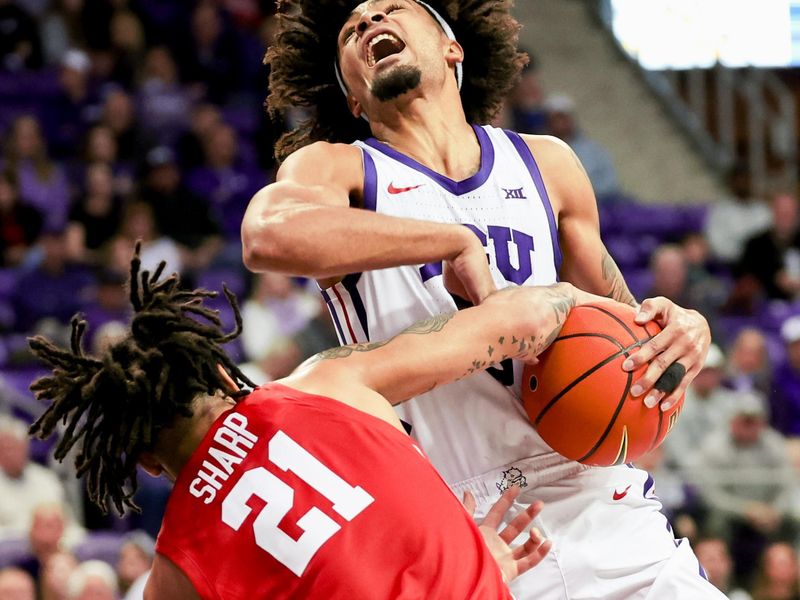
(393, 7)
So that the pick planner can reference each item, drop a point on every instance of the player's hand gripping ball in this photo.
(578, 397)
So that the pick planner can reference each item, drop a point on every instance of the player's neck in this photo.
(435, 134)
(180, 442)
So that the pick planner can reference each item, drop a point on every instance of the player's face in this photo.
(385, 49)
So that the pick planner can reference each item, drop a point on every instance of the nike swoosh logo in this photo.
(394, 190)
(622, 494)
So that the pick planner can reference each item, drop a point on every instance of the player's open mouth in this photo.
(383, 46)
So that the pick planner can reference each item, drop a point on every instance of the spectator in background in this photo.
(56, 289)
(205, 118)
(20, 46)
(211, 56)
(92, 580)
(164, 104)
(42, 183)
(277, 308)
(748, 365)
(126, 50)
(732, 221)
(133, 567)
(179, 214)
(95, 218)
(61, 29)
(707, 408)
(23, 483)
(138, 223)
(16, 584)
(225, 181)
(562, 123)
(19, 224)
(102, 147)
(778, 577)
(118, 115)
(55, 573)
(670, 270)
(771, 260)
(745, 477)
(109, 305)
(526, 102)
(45, 538)
(785, 398)
(714, 556)
(74, 108)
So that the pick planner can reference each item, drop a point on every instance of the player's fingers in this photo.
(519, 523)
(647, 386)
(660, 342)
(469, 503)
(495, 515)
(535, 539)
(532, 559)
(671, 399)
(652, 309)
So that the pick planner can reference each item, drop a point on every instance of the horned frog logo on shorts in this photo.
(512, 477)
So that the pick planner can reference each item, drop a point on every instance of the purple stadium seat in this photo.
(13, 551)
(101, 545)
(214, 278)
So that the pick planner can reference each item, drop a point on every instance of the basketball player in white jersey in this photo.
(387, 180)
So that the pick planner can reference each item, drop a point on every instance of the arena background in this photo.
(126, 119)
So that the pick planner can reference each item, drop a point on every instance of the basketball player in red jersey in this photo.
(307, 487)
(392, 174)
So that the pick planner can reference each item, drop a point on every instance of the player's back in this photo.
(299, 496)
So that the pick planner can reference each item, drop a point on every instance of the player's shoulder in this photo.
(323, 162)
(548, 149)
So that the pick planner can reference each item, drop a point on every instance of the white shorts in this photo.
(610, 541)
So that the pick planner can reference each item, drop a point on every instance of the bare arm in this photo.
(303, 224)
(518, 322)
(166, 581)
(588, 265)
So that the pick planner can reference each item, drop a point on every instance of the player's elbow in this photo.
(260, 252)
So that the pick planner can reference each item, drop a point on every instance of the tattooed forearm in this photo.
(617, 288)
(431, 325)
(345, 351)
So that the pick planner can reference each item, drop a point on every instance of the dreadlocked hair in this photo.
(302, 58)
(116, 404)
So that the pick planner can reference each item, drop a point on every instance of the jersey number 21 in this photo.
(318, 528)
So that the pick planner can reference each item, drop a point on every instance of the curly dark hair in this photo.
(118, 403)
(302, 73)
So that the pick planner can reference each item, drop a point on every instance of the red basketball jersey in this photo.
(298, 496)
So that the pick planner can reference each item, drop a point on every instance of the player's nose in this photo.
(370, 18)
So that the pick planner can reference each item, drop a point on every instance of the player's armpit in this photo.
(167, 582)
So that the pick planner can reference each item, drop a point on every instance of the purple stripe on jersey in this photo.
(457, 188)
(349, 284)
(332, 310)
(370, 182)
(530, 162)
(648, 485)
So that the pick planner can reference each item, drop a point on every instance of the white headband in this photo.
(448, 31)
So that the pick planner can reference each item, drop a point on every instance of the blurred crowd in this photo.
(140, 119)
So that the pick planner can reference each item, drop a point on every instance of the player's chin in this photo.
(394, 82)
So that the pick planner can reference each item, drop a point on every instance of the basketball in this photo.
(578, 396)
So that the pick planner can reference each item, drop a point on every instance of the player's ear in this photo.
(151, 464)
(355, 106)
(227, 378)
(454, 54)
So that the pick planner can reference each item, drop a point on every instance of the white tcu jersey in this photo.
(478, 424)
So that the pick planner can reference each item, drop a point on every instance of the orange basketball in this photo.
(578, 397)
